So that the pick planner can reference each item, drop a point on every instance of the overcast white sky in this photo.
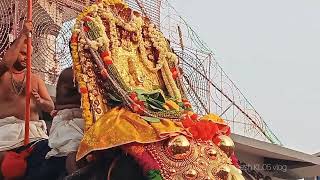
(271, 50)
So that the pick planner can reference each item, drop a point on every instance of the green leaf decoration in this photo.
(141, 97)
(156, 103)
(113, 98)
(155, 95)
(154, 175)
(151, 119)
(139, 91)
(155, 108)
(180, 104)
(158, 96)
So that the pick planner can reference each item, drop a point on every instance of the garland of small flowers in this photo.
(86, 112)
(160, 44)
(75, 44)
(167, 84)
(142, 47)
(133, 26)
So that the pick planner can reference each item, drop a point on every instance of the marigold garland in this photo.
(204, 129)
(86, 113)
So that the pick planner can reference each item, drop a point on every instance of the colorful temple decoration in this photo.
(132, 98)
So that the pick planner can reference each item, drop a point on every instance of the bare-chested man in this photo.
(12, 99)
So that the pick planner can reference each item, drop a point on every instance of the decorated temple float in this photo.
(133, 98)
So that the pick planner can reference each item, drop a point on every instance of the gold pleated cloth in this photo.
(120, 126)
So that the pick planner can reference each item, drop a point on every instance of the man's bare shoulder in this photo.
(3, 69)
(36, 76)
(4, 76)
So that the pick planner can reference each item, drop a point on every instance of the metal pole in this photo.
(28, 83)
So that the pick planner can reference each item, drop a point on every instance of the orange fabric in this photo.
(120, 126)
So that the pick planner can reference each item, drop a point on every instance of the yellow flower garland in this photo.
(86, 113)
(165, 55)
